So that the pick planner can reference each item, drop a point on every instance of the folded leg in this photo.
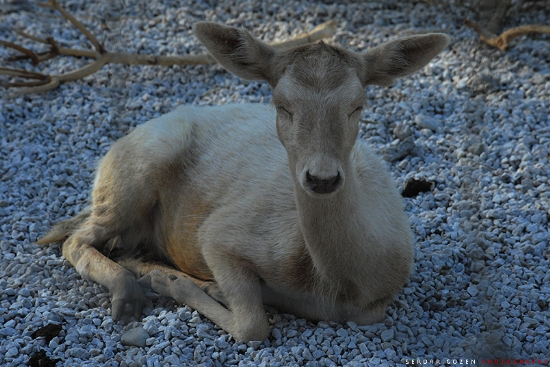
(93, 265)
(141, 268)
(245, 319)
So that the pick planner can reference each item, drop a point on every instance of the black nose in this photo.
(321, 185)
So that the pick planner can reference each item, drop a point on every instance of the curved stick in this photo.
(501, 42)
(102, 57)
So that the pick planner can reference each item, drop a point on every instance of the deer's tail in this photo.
(62, 230)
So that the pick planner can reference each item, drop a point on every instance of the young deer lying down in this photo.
(253, 203)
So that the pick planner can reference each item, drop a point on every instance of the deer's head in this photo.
(318, 91)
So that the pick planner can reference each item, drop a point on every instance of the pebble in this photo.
(390, 353)
(12, 352)
(402, 131)
(342, 333)
(135, 337)
(7, 331)
(476, 148)
(472, 290)
(399, 151)
(471, 122)
(426, 122)
(387, 335)
(277, 335)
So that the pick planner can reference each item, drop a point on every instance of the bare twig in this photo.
(42, 79)
(55, 5)
(31, 37)
(102, 57)
(501, 42)
(324, 30)
(23, 73)
(28, 53)
(489, 33)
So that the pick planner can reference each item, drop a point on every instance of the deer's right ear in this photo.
(238, 51)
(402, 57)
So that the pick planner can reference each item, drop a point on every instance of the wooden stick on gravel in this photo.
(489, 35)
(501, 42)
(43, 82)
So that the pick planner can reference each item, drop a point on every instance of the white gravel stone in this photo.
(387, 335)
(402, 131)
(426, 122)
(135, 337)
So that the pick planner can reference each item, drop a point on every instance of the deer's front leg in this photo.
(245, 320)
(93, 265)
(140, 268)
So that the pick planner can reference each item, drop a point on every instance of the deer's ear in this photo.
(237, 51)
(402, 57)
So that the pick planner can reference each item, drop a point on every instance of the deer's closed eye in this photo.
(283, 110)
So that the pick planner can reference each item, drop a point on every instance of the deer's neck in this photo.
(334, 229)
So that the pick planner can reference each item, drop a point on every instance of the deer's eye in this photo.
(284, 111)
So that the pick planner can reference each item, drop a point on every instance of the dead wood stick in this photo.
(501, 42)
(102, 57)
(41, 79)
(28, 53)
(31, 37)
(324, 30)
(133, 59)
(55, 5)
(84, 71)
(22, 73)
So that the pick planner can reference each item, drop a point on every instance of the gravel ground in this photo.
(474, 124)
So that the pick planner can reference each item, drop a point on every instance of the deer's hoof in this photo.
(128, 298)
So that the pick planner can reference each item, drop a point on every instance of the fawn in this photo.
(248, 204)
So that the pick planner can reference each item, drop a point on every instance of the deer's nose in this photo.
(322, 185)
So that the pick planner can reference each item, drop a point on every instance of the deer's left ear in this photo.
(402, 57)
(238, 51)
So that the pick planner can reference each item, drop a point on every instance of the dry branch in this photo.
(324, 30)
(102, 57)
(489, 33)
(501, 42)
(55, 5)
(27, 53)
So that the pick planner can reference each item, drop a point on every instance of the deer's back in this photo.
(201, 160)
